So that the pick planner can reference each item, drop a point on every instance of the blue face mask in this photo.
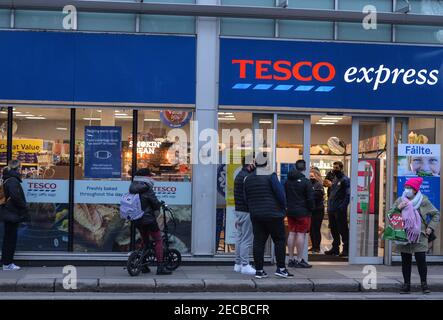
(408, 193)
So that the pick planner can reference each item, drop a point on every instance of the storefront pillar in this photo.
(390, 197)
(205, 175)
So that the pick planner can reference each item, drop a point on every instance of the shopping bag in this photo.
(395, 228)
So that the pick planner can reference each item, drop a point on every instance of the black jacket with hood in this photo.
(149, 201)
(299, 195)
(239, 194)
(15, 209)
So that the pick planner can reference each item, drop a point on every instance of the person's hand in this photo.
(402, 205)
(428, 231)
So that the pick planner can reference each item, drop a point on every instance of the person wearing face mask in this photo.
(338, 202)
(414, 207)
(13, 212)
(318, 212)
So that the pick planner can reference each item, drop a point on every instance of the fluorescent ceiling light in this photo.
(265, 121)
(99, 111)
(325, 123)
(92, 119)
(62, 129)
(152, 120)
(226, 119)
(327, 120)
(121, 114)
(4, 112)
(16, 112)
(25, 115)
(333, 118)
(35, 118)
(123, 117)
(117, 111)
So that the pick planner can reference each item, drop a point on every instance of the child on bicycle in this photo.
(147, 224)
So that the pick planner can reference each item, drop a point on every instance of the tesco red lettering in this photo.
(285, 70)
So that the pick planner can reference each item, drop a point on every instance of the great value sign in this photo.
(330, 75)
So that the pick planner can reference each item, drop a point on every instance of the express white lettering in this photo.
(382, 75)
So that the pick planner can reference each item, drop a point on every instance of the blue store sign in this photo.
(330, 75)
(103, 152)
(91, 67)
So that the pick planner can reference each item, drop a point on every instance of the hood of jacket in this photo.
(7, 173)
(295, 175)
(141, 184)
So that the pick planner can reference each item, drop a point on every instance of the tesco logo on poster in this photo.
(42, 186)
(165, 189)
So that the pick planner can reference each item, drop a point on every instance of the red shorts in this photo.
(299, 224)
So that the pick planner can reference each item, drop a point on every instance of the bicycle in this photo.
(140, 260)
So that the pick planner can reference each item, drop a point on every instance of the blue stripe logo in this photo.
(283, 87)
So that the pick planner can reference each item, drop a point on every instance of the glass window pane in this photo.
(102, 176)
(3, 136)
(30, 19)
(305, 29)
(421, 34)
(167, 24)
(106, 21)
(252, 3)
(5, 18)
(312, 4)
(41, 140)
(170, 1)
(358, 5)
(248, 27)
(355, 31)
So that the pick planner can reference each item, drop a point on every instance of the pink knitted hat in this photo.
(414, 183)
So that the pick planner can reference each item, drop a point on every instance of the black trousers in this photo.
(9, 242)
(338, 223)
(262, 229)
(406, 266)
(315, 233)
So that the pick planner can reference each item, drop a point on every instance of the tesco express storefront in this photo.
(82, 111)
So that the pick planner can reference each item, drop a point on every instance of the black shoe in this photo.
(405, 288)
(261, 274)
(292, 263)
(161, 270)
(146, 269)
(332, 252)
(344, 253)
(304, 264)
(425, 288)
(283, 273)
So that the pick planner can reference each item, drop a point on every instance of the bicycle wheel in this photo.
(173, 259)
(134, 263)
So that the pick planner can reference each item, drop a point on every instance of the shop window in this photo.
(421, 34)
(102, 176)
(167, 24)
(355, 31)
(5, 18)
(164, 146)
(31, 19)
(248, 27)
(418, 131)
(307, 29)
(41, 140)
(93, 21)
(3, 136)
(235, 141)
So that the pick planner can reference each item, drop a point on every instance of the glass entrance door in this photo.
(368, 189)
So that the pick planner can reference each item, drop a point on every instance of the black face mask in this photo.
(338, 173)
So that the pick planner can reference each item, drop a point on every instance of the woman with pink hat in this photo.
(415, 207)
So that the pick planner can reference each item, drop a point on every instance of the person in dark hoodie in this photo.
(243, 222)
(319, 210)
(147, 225)
(338, 201)
(300, 198)
(265, 198)
(14, 211)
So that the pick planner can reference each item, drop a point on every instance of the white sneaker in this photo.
(248, 269)
(237, 267)
(11, 267)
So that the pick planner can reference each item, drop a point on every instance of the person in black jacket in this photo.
(147, 224)
(266, 201)
(243, 222)
(14, 211)
(338, 201)
(319, 209)
(300, 197)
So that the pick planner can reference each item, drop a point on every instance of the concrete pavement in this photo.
(322, 278)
